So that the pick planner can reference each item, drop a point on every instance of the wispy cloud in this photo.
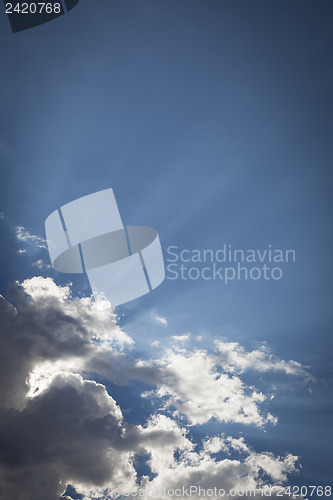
(23, 235)
(235, 359)
(2, 216)
(160, 319)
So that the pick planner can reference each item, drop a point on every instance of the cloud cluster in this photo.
(40, 264)
(59, 426)
(191, 383)
(199, 469)
(202, 385)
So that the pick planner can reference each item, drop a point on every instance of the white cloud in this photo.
(198, 468)
(44, 373)
(41, 289)
(235, 359)
(191, 383)
(161, 319)
(203, 385)
(2, 216)
(181, 338)
(23, 235)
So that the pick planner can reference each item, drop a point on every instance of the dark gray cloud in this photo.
(32, 333)
(70, 433)
(66, 432)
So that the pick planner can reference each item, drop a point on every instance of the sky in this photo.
(211, 122)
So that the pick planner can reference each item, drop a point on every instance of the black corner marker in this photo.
(26, 15)
(70, 4)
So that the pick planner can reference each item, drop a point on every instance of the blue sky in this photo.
(212, 123)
